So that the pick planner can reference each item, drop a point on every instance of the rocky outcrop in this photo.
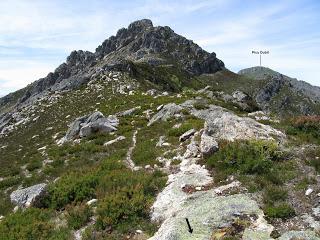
(268, 91)
(189, 194)
(141, 41)
(167, 111)
(281, 93)
(225, 125)
(90, 124)
(26, 196)
(128, 112)
(208, 144)
(244, 101)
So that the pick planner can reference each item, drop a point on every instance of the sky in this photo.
(36, 36)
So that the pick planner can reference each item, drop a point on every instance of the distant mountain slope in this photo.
(283, 94)
(261, 73)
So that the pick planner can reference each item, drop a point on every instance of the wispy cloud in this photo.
(36, 36)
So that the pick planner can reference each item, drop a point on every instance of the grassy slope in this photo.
(90, 170)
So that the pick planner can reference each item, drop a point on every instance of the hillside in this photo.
(150, 129)
(283, 94)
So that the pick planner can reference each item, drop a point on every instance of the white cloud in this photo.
(17, 74)
(62, 26)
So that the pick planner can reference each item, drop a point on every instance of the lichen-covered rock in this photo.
(208, 144)
(26, 196)
(208, 212)
(225, 125)
(168, 111)
(305, 235)
(128, 112)
(89, 124)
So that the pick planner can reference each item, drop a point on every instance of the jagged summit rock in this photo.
(141, 42)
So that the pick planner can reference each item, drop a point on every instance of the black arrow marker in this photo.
(190, 229)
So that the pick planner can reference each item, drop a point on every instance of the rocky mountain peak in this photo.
(143, 42)
(140, 25)
(139, 42)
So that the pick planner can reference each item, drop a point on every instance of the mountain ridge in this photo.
(142, 42)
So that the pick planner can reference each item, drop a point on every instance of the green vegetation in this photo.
(245, 157)
(283, 210)
(78, 215)
(189, 123)
(32, 223)
(304, 128)
(260, 166)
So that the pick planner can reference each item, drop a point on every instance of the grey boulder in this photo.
(167, 111)
(208, 144)
(26, 196)
(90, 124)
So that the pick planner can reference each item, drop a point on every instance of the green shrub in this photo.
(73, 187)
(32, 223)
(9, 182)
(177, 132)
(78, 215)
(273, 194)
(120, 178)
(305, 128)
(5, 204)
(282, 210)
(191, 122)
(245, 157)
(33, 165)
(144, 152)
(127, 205)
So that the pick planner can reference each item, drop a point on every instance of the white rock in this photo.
(309, 191)
(25, 197)
(120, 138)
(208, 144)
(187, 135)
(92, 201)
(160, 107)
(42, 148)
(139, 231)
(198, 188)
(16, 208)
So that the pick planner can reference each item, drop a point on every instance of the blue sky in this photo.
(36, 36)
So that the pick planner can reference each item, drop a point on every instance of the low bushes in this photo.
(282, 210)
(32, 223)
(127, 206)
(260, 166)
(305, 128)
(245, 157)
(73, 187)
(78, 215)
